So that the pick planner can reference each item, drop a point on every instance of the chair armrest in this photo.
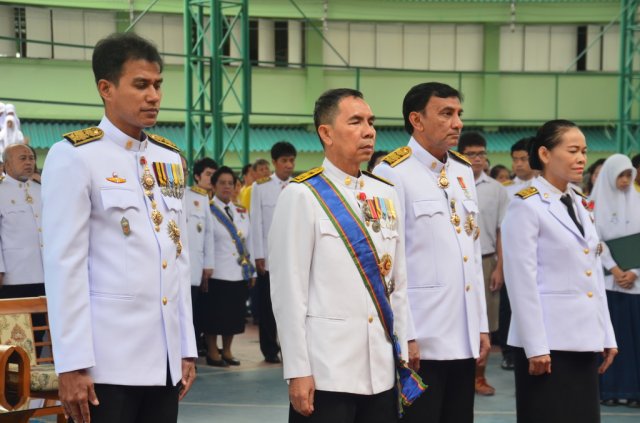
(15, 374)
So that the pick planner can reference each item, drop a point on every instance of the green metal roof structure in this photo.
(43, 134)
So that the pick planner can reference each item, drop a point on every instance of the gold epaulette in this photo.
(263, 180)
(163, 142)
(527, 192)
(460, 157)
(580, 193)
(508, 183)
(397, 156)
(84, 136)
(199, 190)
(371, 175)
(308, 174)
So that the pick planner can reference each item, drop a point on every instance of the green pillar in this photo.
(491, 63)
(314, 56)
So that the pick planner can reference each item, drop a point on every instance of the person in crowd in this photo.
(201, 245)
(265, 193)
(341, 304)
(444, 262)
(524, 177)
(10, 110)
(248, 178)
(35, 177)
(635, 161)
(260, 170)
(10, 134)
(228, 289)
(501, 174)
(21, 271)
(116, 276)
(203, 170)
(616, 212)
(3, 115)
(492, 201)
(375, 160)
(560, 319)
(592, 176)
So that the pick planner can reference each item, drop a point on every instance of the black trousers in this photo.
(340, 407)
(569, 394)
(450, 393)
(504, 321)
(267, 322)
(196, 308)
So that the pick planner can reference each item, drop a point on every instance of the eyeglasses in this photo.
(481, 154)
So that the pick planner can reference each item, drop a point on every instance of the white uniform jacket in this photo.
(444, 264)
(20, 232)
(264, 196)
(327, 322)
(200, 224)
(554, 275)
(118, 291)
(226, 254)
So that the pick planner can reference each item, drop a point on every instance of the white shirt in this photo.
(264, 196)
(20, 232)
(226, 254)
(492, 201)
(200, 224)
(118, 291)
(444, 265)
(327, 322)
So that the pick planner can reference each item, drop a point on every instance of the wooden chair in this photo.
(17, 330)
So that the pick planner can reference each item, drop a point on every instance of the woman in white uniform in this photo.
(617, 215)
(560, 320)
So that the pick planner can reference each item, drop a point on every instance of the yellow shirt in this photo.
(245, 197)
(637, 186)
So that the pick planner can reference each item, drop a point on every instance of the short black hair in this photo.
(223, 169)
(283, 149)
(260, 162)
(497, 169)
(205, 162)
(549, 135)
(110, 54)
(418, 97)
(523, 144)
(374, 157)
(635, 161)
(245, 169)
(471, 139)
(326, 105)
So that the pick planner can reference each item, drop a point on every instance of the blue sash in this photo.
(356, 238)
(243, 255)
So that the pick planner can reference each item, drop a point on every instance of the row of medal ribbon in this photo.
(170, 179)
(378, 212)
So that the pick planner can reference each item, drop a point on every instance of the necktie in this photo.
(226, 209)
(566, 200)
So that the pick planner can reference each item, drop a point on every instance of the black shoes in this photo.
(507, 363)
(231, 361)
(217, 363)
(273, 359)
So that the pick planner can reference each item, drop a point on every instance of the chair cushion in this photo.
(43, 378)
(16, 329)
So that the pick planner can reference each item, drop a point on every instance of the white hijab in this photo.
(10, 110)
(617, 213)
(3, 109)
(11, 135)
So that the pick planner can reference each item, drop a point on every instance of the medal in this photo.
(366, 212)
(147, 179)
(385, 265)
(199, 227)
(443, 182)
(375, 226)
(390, 287)
(469, 225)
(174, 234)
(455, 219)
(126, 229)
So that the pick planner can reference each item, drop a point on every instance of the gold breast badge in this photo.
(455, 219)
(443, 181)
(469, 224)
(174, 234)
(385, 266)
(126, 228)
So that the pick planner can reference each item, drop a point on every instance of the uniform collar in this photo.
(199, 190)
(340, 177)
(220, 204)
(426, 158)
(118, 137)
(484, 178)
(275, 178)
(12, 181)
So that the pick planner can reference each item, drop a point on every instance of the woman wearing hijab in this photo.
(10, 134)
(617, 214)
(560, 320)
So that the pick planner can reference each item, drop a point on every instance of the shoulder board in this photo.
(581, 194)
(371, 175)
(459, 157)
(308, 175)
(263, 180)
(527, 192)
(508, 183)
(199, 190)
(397, 156)
(84, 136)
(163, 142)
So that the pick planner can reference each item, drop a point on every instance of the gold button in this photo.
(164, 264)
(128, 145)
(468, 288)
(465, 258)
(39, 229)
(589, 294)
(458, 229)
(545, 195)
(164, 301)
(370, 319)
(586, 251)
(588, 273)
